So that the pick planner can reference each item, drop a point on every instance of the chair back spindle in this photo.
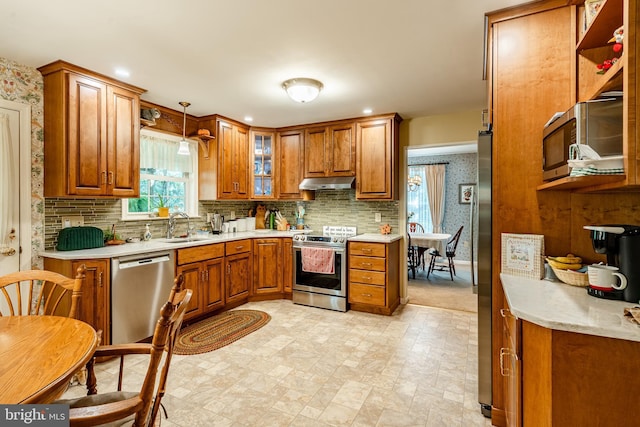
(40, 292)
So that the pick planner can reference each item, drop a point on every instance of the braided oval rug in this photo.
(220, 330)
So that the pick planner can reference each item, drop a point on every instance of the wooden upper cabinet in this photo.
(233, 160)
(262, 164)
(92, 134)
(377, 158)
(329, 150)
(289, 171)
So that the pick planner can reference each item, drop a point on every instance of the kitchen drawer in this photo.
(237, 246)
(200, 253)
(368, 277)
(367, 249)
(367, 263)
(366, 294)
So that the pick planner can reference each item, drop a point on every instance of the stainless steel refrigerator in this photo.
(480, 222)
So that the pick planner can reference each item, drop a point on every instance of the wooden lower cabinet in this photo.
(203, 271)
(95, 302)
(374, 277)
(561, 378)
(238, 270)
(287, 265)
(510, 368)
(267, 266)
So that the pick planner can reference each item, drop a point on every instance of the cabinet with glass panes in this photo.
(262, 164)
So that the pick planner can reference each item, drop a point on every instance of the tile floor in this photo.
(315, 367)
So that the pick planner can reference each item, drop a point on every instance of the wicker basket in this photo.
(573, 278)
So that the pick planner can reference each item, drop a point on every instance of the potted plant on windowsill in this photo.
(163, 209)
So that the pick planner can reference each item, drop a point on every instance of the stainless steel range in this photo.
(320, 273)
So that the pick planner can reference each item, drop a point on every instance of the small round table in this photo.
(40, 354)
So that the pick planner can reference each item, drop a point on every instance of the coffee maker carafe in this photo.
(216, 223)
(621, 244)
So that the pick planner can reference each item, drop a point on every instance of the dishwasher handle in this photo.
(144, 261)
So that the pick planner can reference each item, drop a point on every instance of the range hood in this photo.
(327, 183)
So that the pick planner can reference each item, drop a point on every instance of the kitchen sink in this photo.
(186, 239)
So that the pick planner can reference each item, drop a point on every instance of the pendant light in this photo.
(184, 145)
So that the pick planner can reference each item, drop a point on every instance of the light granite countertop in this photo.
(563, 307)
(375, 238)
(158, 245)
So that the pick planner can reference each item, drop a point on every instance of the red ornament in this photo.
(617, 47)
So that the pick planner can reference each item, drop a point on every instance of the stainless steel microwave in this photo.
(596, 123)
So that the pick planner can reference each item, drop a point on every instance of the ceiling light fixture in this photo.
(302, 89)
(184, 145)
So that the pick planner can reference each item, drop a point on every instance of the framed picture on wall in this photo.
(465, 192)
(591, 8)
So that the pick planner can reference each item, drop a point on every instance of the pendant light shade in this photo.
(183, 149)
(302, 89)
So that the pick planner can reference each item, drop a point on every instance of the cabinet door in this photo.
(287, 265)
(241, 162)
(342, 153)
(94, 304)
(290, 171)
(238, 279)
(263, 156)
(233, 161)
(123, 148)
(267, 266)
(213, 284)
(86, 136)
(193, 274)
(376, 160)
(226, 183)
(510, 368)
(315, 160)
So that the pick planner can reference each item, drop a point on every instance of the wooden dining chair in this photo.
(412, 257)
(40, 292)
(415, 227)
(450, 253)
(119, 407)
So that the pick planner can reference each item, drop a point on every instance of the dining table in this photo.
(436, 241)
(39, 355)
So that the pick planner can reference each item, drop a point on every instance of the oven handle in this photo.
(336, 250)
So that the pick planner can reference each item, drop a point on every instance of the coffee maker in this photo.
(621, 244)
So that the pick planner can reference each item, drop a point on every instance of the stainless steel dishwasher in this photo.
(140, 285)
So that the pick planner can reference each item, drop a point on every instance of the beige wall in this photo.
(446, 129)
(442, 129)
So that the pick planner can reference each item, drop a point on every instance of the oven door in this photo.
(328, 284)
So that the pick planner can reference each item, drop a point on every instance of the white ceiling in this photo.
(414, 57)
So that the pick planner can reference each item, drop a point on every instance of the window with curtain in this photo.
(166, 178)
(418, 201)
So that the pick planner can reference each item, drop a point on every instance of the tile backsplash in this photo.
(333, 207)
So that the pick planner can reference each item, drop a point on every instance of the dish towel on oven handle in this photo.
(318, 260)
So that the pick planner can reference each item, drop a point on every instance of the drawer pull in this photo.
(505, 366)
(239, 247)
(367, 295)
(366, 278)
(367, 250)
(367, 264)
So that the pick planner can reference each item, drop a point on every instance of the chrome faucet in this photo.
(171, 226)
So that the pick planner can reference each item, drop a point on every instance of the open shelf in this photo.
(577, 182)
(608, 19)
